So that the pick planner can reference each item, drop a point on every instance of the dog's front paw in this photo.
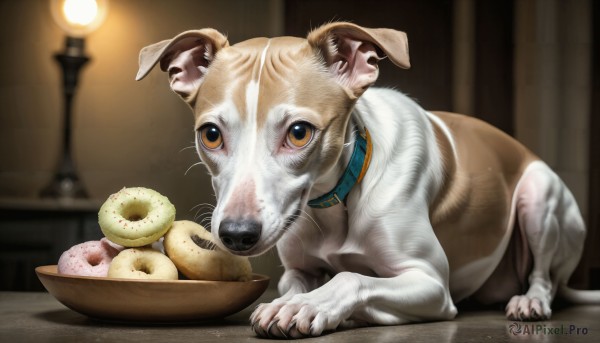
(297, 317)
(525, 308)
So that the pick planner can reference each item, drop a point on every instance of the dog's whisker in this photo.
(202, 212)
(192, 166)
(206, 221)
(291, 232)
(203, 204)
(310, 218)
(203, 217)
(298, 237)
(289, 222)
(201, 207)
(187, 147)
(302, 215)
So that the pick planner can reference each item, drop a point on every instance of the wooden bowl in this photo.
(151, 300)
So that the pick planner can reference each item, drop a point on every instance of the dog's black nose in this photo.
(239, 235)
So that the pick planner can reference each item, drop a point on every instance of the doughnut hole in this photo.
(94, 259)
(135, 211)
(143, 266)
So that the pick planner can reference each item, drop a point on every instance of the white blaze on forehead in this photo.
(252, 90)
(262, 58)
(252, 94)
(248, 147)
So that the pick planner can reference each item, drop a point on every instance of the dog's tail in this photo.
(579, 297)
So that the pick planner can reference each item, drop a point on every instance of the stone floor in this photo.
(38, 317)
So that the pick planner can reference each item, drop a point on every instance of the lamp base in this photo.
(64, 187)
(66, 184)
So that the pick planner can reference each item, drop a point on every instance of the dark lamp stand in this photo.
(65, 183)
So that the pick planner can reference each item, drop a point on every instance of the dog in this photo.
(382, 213)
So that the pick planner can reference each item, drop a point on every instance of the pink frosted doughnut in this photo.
(88, 259)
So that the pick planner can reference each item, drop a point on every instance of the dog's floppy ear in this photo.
(185, 57)
(352, 52)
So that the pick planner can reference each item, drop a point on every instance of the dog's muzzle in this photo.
(239, 235)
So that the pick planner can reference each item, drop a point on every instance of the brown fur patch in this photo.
(478, 188)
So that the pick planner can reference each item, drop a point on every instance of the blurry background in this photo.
(529, 67)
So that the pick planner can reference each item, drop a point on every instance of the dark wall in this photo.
(494, 49)
(592, 252)
(428, 25)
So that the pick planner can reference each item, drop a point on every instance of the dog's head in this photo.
(270, 116)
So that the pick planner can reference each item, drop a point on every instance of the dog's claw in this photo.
(534, 315)
(527, 308)
(294, 331)
(258, 330)
(291, 326)
(271, 334)
(274, 322)
(282, 333)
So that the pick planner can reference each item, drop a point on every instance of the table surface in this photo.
(38, 317)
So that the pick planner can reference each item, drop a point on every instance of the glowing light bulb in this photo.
(80, 12)
(78, 17)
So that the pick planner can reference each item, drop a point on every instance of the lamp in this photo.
(77, 18)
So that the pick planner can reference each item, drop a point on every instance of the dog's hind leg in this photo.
(555, 231)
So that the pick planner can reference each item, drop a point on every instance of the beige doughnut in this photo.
(136, 216)
(195, 254)
(142, 263)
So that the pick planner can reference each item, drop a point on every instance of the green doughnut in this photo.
(137, 216)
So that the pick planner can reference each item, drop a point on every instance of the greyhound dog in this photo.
(382, 213)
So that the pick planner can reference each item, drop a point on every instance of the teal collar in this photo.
(355, 170)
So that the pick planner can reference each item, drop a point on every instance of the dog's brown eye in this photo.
(210, 137)
(299, 134)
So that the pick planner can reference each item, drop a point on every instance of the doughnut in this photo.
(134, 217)
(142, 263)
(112, 244)
(195, 254)
(88, 259)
